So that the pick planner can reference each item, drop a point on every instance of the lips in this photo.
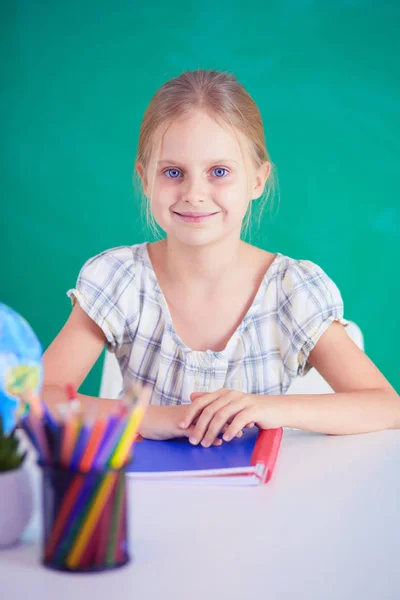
(194, 214)
(194, 217)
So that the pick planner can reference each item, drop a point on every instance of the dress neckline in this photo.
(244, 322)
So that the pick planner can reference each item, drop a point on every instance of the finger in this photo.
(221, 417)
(186, 432)
(240, 421)
(218, 442)
(195, 409)
(205, 418)
(189, 431)
(250, 425)
(225, 427)
(196, 395)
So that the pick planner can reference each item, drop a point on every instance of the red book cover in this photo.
(266, 449)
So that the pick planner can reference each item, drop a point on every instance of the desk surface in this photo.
(327, 526)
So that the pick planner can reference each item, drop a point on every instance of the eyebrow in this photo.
(211, 161)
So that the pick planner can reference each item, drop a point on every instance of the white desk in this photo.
(326, 527)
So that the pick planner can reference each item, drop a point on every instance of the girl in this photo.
(218, 327)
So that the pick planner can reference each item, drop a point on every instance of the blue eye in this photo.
(174, 173)
(220, 172)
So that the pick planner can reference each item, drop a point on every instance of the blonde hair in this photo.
(226, 101)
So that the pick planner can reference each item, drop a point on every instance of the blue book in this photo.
(248, 460)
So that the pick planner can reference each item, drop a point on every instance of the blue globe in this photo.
(20, 364)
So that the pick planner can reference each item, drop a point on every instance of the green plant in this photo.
(10, 456)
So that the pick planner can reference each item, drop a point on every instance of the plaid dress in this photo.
(294, 305)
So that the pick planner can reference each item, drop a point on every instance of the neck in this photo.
(203, 264)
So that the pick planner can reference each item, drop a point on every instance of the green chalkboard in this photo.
(77, 77)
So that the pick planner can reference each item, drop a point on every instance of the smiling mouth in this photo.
(192, 217)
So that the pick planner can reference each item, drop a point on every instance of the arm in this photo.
(364, 400)
(69, 359)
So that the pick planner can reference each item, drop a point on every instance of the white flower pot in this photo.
(16, 503)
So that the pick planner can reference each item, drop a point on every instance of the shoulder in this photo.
(296, 274)
(122, 259)
(288, 275)
(119, 267)
(297, 288)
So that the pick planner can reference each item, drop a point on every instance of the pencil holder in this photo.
(85, 526)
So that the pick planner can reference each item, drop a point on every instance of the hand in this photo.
(228, 409)
(162, 423)
(196, 395)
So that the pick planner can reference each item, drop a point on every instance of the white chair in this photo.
(111, 379)
(312, 383)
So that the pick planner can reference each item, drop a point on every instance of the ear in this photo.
(260, 179)
(143, 177)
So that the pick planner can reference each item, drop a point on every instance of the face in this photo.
(201, 190)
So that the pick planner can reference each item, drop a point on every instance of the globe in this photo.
(20, 364)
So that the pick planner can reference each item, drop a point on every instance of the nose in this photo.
(194, 191)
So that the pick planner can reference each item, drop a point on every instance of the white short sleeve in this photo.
(106, 291)
(309, 302)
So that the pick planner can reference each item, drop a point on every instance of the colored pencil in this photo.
(117, 517)
(123, 449)
(93, 445)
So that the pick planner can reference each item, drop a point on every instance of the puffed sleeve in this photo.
(309, 301)
(105, 290)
